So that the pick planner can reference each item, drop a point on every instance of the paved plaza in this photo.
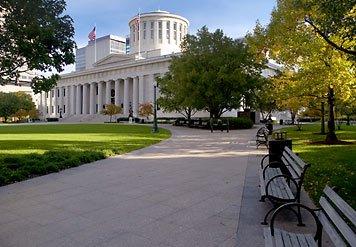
(185, 191)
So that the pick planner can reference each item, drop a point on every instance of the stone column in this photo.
(85, 99)
(108, 93)
(72, 100)
(67, 100)
(117, 86)
(100, 96)
(92, 98)
(78, 100)
(55, 102)
(126, 96)
(135, 97)
(141, 91)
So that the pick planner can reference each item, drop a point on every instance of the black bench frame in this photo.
(283, 181)
(335, 216)
(262, 137)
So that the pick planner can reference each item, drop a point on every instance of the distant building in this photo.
(105, 46)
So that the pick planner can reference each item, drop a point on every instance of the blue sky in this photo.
(235, 17)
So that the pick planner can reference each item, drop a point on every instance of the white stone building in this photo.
(122, 79)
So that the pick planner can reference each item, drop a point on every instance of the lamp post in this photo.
(155, 127)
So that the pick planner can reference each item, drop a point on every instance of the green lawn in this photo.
(330, 164)
(31, 150)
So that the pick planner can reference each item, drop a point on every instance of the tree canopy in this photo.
(17, 104)
(213, 73)
(312, 68)
(35, 35)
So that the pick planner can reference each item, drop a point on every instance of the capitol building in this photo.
(117, 77)
(107, 73)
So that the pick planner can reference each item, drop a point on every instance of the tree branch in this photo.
(326, 38)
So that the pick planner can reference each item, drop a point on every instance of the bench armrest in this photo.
(290, 205)
(264, 157)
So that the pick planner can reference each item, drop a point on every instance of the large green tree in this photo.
(35, 35)
(18, 104)
(213, 73)
(314, 70)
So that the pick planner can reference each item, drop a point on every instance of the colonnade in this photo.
(91, 97)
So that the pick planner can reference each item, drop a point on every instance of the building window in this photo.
(64, 92)
(133, 33)
(152, 29)
(57, 108)
(180, 32)
(52, 109)
(96, 108)
(175, 31)
(47, 98)
(144, 29)
(47, 109)
(52, 93)
(168, 32)
(160, 31)
(97, 90)
(58, 93)
(64, 108)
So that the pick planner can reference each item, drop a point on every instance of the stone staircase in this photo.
(95, 118)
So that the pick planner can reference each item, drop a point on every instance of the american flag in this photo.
(92, 35)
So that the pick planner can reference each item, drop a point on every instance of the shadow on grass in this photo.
(17, 167)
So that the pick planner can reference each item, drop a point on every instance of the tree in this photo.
(35, 35)
(111, 110)
(145, 109)
(314, 68)
(9, 105)
(176, 94)
(213, 73)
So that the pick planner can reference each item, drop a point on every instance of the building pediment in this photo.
(114, 59)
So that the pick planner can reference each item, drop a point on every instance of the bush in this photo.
(240, 123)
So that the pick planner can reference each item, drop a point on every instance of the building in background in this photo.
(103, 47)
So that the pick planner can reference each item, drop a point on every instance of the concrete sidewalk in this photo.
(185, 191)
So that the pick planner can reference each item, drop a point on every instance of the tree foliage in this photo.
(312, 67)
(213, 73)
(145, 109)
(111, 110)
(17, 104)
(35, 35)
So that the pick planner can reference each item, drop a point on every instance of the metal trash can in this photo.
(276, 145)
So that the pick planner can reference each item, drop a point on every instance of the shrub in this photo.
(240, 123)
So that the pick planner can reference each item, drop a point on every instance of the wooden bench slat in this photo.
(268, 237)
(278, 237)
(293, 167)
(286, 239)
(340, 224)
(297, 159)
(310, 240)
(294, 239)
(330, 230)
(345, 208)
(301, 239)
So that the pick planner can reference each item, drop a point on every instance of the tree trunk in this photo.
(322, 128)
(331, 136)
(293, 116)
(348, 120)
(110, 118)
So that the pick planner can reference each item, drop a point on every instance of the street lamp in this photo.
(155, 127)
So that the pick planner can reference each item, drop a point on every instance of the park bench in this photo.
(335, 216)
(281, 182)
(262, 137)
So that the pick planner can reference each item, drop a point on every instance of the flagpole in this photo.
(95, 43)
(139, 36)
